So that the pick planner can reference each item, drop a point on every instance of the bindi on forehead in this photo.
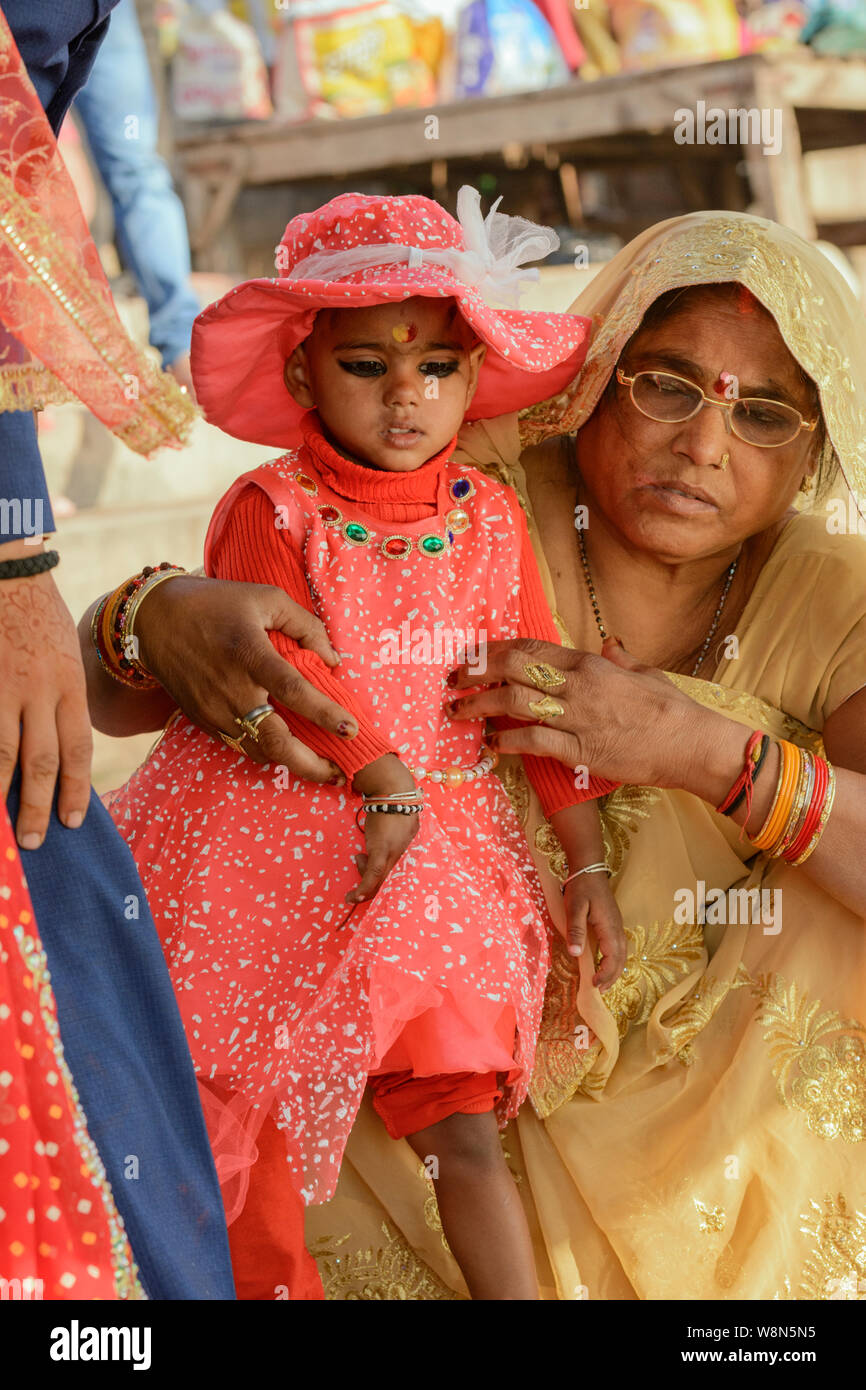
(404, 332)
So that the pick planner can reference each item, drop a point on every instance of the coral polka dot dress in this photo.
(246, 869)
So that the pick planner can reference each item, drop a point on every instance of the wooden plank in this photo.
(777, 179)
(834, 83)
(836, 183)
(628, 102)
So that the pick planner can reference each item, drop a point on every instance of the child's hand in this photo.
(386, 836)
(590, 909)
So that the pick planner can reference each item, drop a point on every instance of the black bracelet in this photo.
(759, 763)
(29, 565)
(386, 808)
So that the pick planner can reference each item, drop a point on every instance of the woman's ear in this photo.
(296, 375)
(476, 357)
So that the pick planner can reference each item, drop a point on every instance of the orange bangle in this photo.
(785, 791)
(789, 792)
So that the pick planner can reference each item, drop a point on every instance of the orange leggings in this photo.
(269, 1258)
(407, 1103)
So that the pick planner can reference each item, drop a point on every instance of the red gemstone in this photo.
(329, 514)
(396, 546)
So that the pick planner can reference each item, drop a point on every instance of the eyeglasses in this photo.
(672, 399)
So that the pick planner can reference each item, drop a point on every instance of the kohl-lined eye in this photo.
(364, 367)
(440, 369)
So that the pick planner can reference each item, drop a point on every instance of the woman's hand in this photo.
(206, 641)
(621, 720)
(43, 706)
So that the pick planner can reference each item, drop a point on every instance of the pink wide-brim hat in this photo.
(359, 251)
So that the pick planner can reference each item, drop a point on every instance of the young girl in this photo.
(298, 984)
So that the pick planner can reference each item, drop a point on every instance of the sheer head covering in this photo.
(60, 336)
(816, 312)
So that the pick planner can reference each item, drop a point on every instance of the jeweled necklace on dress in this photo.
(731, 571)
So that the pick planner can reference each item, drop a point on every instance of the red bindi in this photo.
(404, 332)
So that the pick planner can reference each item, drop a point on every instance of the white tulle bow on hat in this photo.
(496, 249)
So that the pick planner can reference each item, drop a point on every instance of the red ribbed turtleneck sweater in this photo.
(251, 548)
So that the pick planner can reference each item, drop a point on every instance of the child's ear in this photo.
(476, 357)
(296, 375)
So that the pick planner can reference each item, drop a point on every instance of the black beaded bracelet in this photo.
(388, 809)
(29, 565)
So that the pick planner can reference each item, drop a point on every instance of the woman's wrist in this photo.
(153, 614)
(716, 760)
(713, 750)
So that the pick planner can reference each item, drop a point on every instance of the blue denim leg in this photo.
(128, 1055)
(118, 108)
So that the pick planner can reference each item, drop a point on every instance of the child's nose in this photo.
(402, 385)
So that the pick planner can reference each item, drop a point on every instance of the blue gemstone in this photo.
(460, 488)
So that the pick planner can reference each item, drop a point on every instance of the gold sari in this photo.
(699, 1132)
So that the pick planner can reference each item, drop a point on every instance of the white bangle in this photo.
(587, 869)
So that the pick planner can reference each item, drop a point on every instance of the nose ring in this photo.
(724, 461)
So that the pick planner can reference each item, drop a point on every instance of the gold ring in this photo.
(543, 676)
(234, 743)
(546, 708)
(250, 722)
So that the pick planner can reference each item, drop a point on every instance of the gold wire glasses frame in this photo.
(729, 407)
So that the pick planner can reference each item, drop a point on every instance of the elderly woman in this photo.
(697, 1131)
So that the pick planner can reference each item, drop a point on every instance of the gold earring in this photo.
(724, 461)
(807, 485)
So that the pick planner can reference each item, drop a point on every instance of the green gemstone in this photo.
(432, 545)
(356, 532)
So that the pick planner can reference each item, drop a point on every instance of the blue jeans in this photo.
(118, 108)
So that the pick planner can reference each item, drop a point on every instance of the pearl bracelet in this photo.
(455, 776)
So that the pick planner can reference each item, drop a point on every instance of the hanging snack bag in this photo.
(506, 46)
(662, 33)
(218, 73)
(358, 60)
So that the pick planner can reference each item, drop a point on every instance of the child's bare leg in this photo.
(481, 1211)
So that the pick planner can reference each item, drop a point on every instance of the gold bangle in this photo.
(153, 580)
(822, 824)
(799, 807)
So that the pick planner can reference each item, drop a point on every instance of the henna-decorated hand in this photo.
(43, 703)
